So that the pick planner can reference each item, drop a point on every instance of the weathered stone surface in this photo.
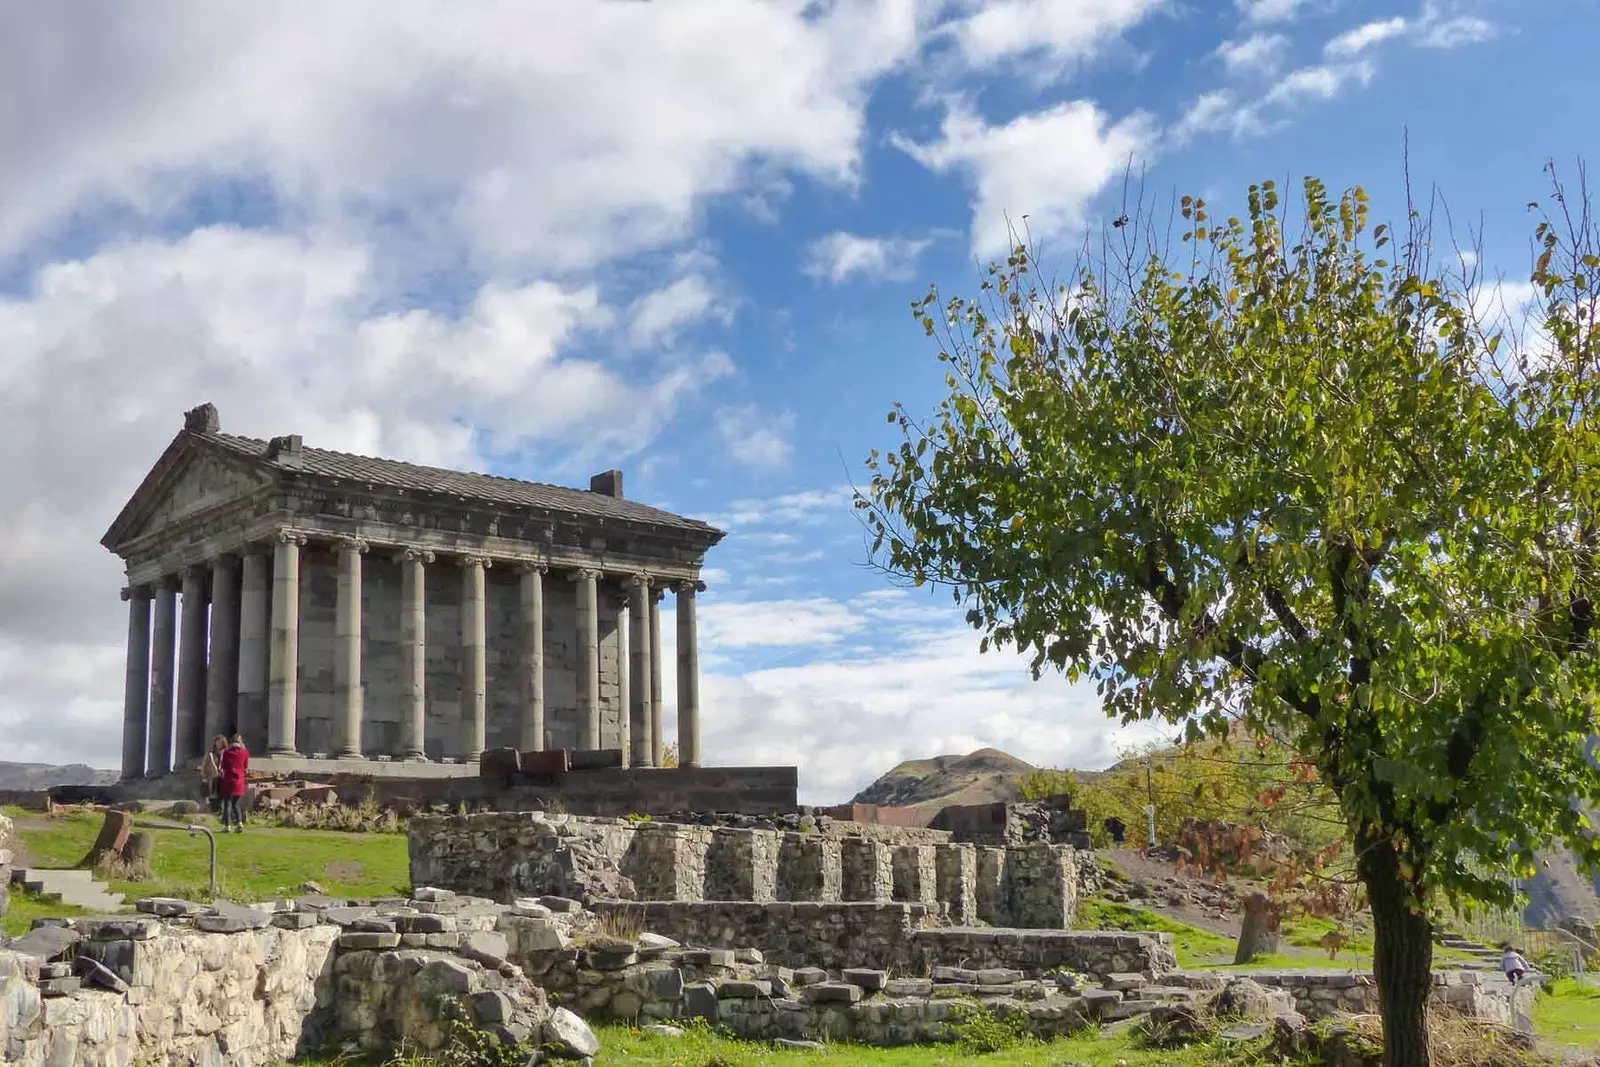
(295, 920)
(700, 1000)
(165, 907)
(96, 973)
(570, 1034)
(45, 943)
(868, 979)
(833, 992)
(100, 928)
(740, 990)
(369, 939)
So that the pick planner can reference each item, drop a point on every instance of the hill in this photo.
(35, 776)
(982, 777)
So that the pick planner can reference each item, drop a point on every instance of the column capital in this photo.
(583, 574)
(287, 536)
(688, 587)
(413, 555)
(658, 592)
(641, 579)
(140, 592)
(475, 561)
(529, 566)
(352, 544)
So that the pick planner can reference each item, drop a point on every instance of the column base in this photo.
(287, 752)
(350, 756)
(414, 757)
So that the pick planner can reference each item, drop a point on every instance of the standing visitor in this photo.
(211, 773)
(235, 764)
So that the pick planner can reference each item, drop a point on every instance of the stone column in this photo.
(347, 648)
(163, 646)
(474, 658)
(283, 667)
(190, 739)
(222, 676)
(530, 668)
(641, 677)
(658, 738)
(255, 623)
(136, 691)
(624, 683)
(588, 659)
(414, 652)
(688, 678)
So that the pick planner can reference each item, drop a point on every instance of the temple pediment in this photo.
(192, 478)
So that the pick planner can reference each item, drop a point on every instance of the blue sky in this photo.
(677, 237)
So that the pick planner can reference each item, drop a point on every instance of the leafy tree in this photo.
(1298, 483)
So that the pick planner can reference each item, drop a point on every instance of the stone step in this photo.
(77, 888)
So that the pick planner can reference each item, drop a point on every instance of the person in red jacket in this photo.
(235, 764)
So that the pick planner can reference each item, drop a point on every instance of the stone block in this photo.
(96, 973)
(804, 976)
(708, 957)
(488, 947)
(743, 989)
(425, 924)
(369, 939)
(570, 1035)
(561, 904)
(955, 974)
(700, 1001)
(550, 761)
(990, 876)
(295, 920)
(491, 1006)
(908, 987)
(45, 943)
(832, 993)
(499, 764)
(915, 877)
(432, 894)
(956, 873)
(666, 861)
(867, 979)
(117, 929)
(809, 868)
(867, 869)
(344, 917)
(741, 864)
(666, 984)
(999, 976)
(595, 759)
(1041, 886)
(164, 907)
(59, 987)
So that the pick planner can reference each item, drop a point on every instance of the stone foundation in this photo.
(1038, 952)
(505, 856)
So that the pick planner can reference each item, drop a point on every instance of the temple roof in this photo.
(287, 460)
(488, 488)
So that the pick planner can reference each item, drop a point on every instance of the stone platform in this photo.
(608, 791)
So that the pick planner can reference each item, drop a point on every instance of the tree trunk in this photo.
(1402, 958)
(1259, 934)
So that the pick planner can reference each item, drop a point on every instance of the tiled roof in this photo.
(488, 488)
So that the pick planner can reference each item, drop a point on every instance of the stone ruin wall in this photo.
(504, 856)
(231, 986)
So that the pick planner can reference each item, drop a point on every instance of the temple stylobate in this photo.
(331, 606)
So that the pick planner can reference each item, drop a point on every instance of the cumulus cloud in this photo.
(1355, 41)
(568, 134)
(1062, 31)
(1264, 11)
(754, 437)
(1260, 53)
(1046, 165)
(657, 316)
(840, 256)
(1320, 83)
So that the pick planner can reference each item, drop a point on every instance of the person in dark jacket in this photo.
(235, 765)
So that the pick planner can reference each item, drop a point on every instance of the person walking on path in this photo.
(211, 773)
(235, 764)
(1513, 964)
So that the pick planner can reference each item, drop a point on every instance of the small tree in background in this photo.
(1298, 483)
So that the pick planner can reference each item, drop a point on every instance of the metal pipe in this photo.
(193, 828)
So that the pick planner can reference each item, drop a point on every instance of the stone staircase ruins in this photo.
(78, 888)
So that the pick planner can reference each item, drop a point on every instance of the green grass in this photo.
(26, 907)
(699, 1047)
(1569, 1016)
(259, 864)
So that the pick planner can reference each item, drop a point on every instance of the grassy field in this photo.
(259, 864)
(1569, 1016)
(699, 1047)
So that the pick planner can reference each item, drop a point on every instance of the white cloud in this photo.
(657, 316)
(1320, 83)
(565, 134)
(1046, 165)
(840, 256)
(1438, 31)
(1355, 41)
(1265, 11)
(1064, 31)
(806, 508)
(1219, 110)
(104, 354)
(1260, 53)
(756, 438)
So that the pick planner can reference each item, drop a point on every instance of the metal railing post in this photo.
(193, 828)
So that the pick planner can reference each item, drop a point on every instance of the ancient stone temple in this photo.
(340, 607)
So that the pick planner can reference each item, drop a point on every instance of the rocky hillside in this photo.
(982, 777)
(34, 776)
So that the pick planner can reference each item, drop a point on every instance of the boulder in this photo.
(569, 1036)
